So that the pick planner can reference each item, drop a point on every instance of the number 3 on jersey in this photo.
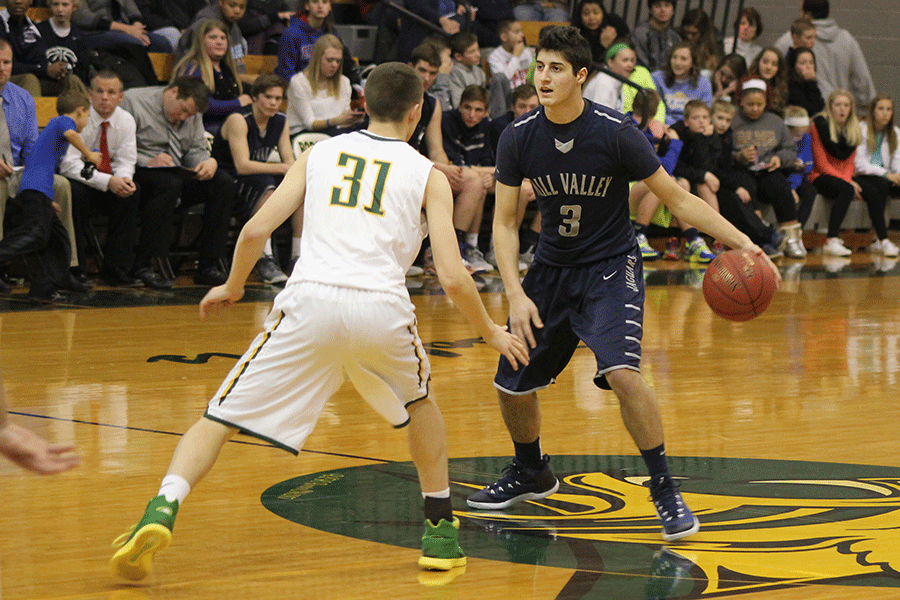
(354, 177)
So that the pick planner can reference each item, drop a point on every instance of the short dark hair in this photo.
(646, 101)
(818, 9)
(106, 74)
(522, 92)
(392, 88)
(426, 52)
(650, 3)
(460, 42)
(476, 93)
(695, 104)
(266, 82)
(569, 42)
(70, 100)
(189, 87)
(753, 17)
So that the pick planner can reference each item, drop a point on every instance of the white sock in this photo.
(267, 251)
(174, 487)
(472, 239)
(295, 247)
(440, 494)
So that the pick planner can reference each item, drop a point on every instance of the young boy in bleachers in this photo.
(466, 69)
(65, 44)
(38, 232)
(440, 89)
(228, 12)
(509, 64)
(797, 120)
(764, 149)
(735, 202)
(466, 132)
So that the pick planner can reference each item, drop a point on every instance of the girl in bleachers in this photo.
(878, 162)
(803, 87)
(319, 96)
(698, 30)
(608, 91)
(835, 136)
(210, 60)
(599, 27)
(728, 73)
(681, 81)
(749, 28)
(769, 65)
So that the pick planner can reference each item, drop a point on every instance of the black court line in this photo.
(130, 428)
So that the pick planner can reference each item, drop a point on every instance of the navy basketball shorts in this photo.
(601, 304)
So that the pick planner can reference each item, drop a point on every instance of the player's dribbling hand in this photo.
(523, 314)
(219, 299)
(509, 345)
(762, 256)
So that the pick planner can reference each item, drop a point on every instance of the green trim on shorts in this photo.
(269, 440)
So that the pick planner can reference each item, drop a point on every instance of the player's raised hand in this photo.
(219, 299)
(509, 345)
(523, 314)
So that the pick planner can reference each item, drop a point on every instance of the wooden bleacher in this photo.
(532, 30)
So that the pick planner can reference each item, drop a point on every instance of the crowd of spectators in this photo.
(165, 145)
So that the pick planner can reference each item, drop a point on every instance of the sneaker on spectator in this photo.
(518, 483)
(474, 259)
(414, 271)
(885, 247)
(697, 251)
(677, 519)
(672, 252)
(527, 257)
(647, 251)
(835, 247)
(268, 272)
(793, 248)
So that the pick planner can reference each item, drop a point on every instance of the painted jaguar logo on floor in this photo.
(764, 524)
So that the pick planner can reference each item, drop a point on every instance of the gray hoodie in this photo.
(839, 61)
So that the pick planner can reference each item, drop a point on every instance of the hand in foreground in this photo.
(522, 315)
(509, 345)
(762, 256)
(219, 299)
(30, 451)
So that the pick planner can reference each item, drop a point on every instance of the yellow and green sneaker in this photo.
(134, 559)
(440, 546)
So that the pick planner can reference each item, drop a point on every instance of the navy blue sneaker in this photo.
(518, 483)
(677, 519)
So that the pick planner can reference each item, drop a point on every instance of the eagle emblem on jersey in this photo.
(564, 147)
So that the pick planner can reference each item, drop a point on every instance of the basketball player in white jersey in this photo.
(345, 311)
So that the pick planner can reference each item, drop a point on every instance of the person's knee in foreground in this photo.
(345, 186)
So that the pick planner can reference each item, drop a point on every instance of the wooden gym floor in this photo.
(784, 429)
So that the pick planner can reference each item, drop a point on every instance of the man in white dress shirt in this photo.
(110, 188)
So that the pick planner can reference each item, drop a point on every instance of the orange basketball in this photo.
(738, 285)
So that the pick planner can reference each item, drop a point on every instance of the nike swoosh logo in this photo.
(610, 276)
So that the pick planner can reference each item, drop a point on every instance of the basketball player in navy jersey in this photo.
(586, 281)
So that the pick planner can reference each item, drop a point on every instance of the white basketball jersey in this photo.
(362, 215)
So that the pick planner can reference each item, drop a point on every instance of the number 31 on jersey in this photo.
(348, 195)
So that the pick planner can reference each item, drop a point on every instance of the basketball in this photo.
(738, 285)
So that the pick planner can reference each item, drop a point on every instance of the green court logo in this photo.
(764, 524)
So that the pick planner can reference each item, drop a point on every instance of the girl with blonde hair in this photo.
(835, 135)
(878, 163)
(209, 59)
(319, 95)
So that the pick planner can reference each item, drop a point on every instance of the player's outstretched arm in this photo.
(456, 281)
(691, 209)
(523, 314)
(29, 450)
(283, 202)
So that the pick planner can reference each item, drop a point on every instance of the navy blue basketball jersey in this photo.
(580, 172)
(260, 145)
